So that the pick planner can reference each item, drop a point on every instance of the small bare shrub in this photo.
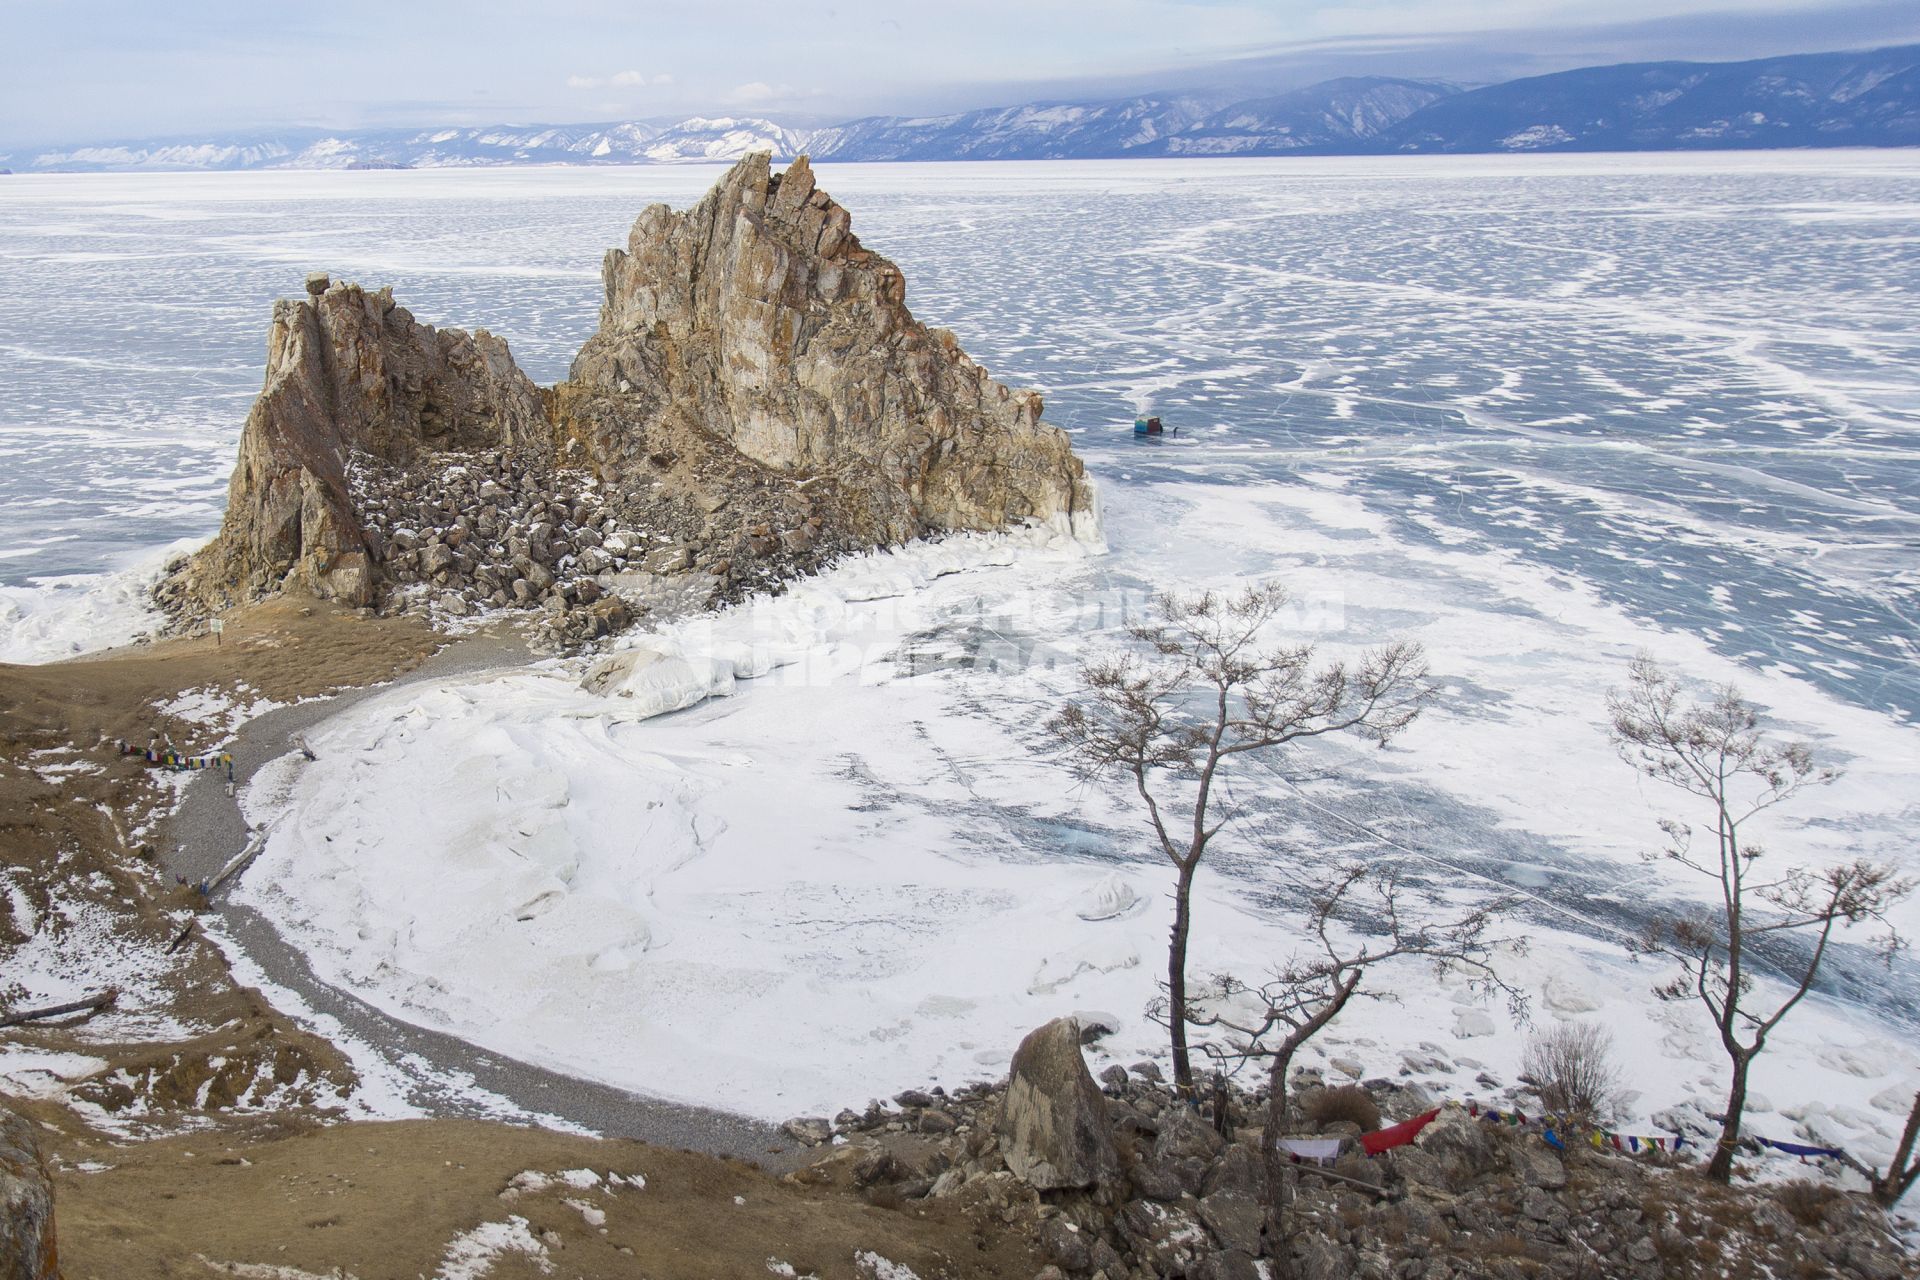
(1506, 1245)
(1808, 1202)
(1350, 1102)
(1572, 1067)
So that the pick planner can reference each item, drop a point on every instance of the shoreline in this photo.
(207, 830)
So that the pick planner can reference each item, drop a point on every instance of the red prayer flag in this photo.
(1398, 1135)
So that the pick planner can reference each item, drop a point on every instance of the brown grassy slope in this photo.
(387, 1200)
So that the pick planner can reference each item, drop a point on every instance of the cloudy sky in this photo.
(88, 70)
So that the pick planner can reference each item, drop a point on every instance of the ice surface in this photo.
(62, 617)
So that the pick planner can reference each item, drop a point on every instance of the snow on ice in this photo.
(860, 869)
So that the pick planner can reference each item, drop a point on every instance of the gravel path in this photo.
(207, 831)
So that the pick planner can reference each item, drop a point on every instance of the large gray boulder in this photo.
(1053, 1128)
(27, 1249)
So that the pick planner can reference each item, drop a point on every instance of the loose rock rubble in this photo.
(494, 531)
(1468, 1199)
(490, 532)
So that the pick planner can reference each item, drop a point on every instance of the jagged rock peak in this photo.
(349, 372)
(759, 317)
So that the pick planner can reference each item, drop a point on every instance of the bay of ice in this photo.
(1537, 413)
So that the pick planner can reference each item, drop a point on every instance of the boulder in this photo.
(1538, 1167)
(1168, 1238)
(1228, 1264)
(1156, 1180)
(1235, 1220)
(1184, 1135)
(1052, 1128)
(877, 1166)
(1064, 1244)
(1238, 1170)
(812, 1130)
(1464, 1145)
(27, 1247)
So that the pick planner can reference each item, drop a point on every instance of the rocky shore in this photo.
(1123, 1180)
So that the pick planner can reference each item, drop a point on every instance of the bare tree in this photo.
(1357, 921)
(1572, 1067)
(1201, 690)
(1904, 1170)
(1717, 752)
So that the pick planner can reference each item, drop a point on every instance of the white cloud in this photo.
(756, 92)
(663, 79)
(628, 79)
(583, 82)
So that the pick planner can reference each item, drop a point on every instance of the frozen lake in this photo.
(1689, 381)
(1538, 413)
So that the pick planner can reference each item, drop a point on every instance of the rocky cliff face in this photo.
(758, 400)
(757, 317)
(348, 373)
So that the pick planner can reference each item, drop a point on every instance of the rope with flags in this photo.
(1556, 1131)
(178, 760)
(1803, 1151)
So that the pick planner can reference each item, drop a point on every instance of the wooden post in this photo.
(1312, 1171)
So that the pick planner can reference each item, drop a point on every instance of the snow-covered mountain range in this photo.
(1823, 99)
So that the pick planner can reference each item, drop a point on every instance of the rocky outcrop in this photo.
(350, 374)
(758, 317)
(1467, 1200)
(27, 1250)
(1053, 1127)
(757, 401)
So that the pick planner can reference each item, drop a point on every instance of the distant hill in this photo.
(1806, 100)
(1810, 100)
(1035, 131)
(1337, 116)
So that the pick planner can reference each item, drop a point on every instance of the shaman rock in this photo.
(1053, 1128)
(757, 317)
(757, 402)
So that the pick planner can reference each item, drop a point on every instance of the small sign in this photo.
(217, 626)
